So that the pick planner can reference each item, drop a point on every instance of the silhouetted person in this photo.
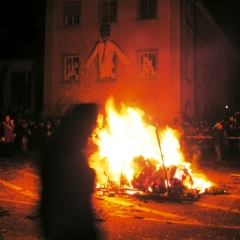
(217, 138)
(67, 179)
(7, 136)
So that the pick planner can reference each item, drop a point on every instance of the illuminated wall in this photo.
(160, 44)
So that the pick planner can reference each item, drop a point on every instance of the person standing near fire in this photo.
(7, 136)
(217, 138)
(67, 179)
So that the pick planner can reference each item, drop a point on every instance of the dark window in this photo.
(147, 9)
(72, 13)
(108, 11)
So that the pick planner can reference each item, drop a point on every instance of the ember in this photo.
(133, 155)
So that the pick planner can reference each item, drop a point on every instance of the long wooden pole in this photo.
(164, 168)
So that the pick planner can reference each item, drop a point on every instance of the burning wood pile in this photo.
(133, 157)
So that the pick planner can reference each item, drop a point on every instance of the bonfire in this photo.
(135, 156)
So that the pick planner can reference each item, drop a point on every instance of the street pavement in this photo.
(214, 215)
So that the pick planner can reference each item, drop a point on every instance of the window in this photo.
(108, 11)
(71, 68)
(72, 12)
(147, 64)
(147, 9)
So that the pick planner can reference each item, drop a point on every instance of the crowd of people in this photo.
(201, 129)
(32, 135)
(36, 135)
(67, 180)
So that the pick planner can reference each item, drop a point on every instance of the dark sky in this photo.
(22, 25)
(227, 15)
(21, 28)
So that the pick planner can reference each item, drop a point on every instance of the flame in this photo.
(133, 154)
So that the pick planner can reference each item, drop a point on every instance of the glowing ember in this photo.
(129, 155)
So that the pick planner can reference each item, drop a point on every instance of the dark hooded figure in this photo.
(67, 179)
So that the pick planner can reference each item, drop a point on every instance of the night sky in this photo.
(22, 28)
(227, 15)
(22, 25)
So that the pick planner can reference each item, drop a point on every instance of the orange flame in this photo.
(125, 137)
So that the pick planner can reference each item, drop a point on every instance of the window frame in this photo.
(108, 14)
(65, 15)
(142, 16)
(64, 67)
(140, 62)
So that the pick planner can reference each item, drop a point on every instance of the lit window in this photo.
(147, 64)
(147, 9)
(71, 68)
(108, 11)
(72, 12)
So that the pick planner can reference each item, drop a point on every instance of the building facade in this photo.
(166, 57)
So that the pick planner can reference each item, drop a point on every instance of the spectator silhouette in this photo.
(49, 132)
(217, 139)
(67, 180)
(7, 135)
